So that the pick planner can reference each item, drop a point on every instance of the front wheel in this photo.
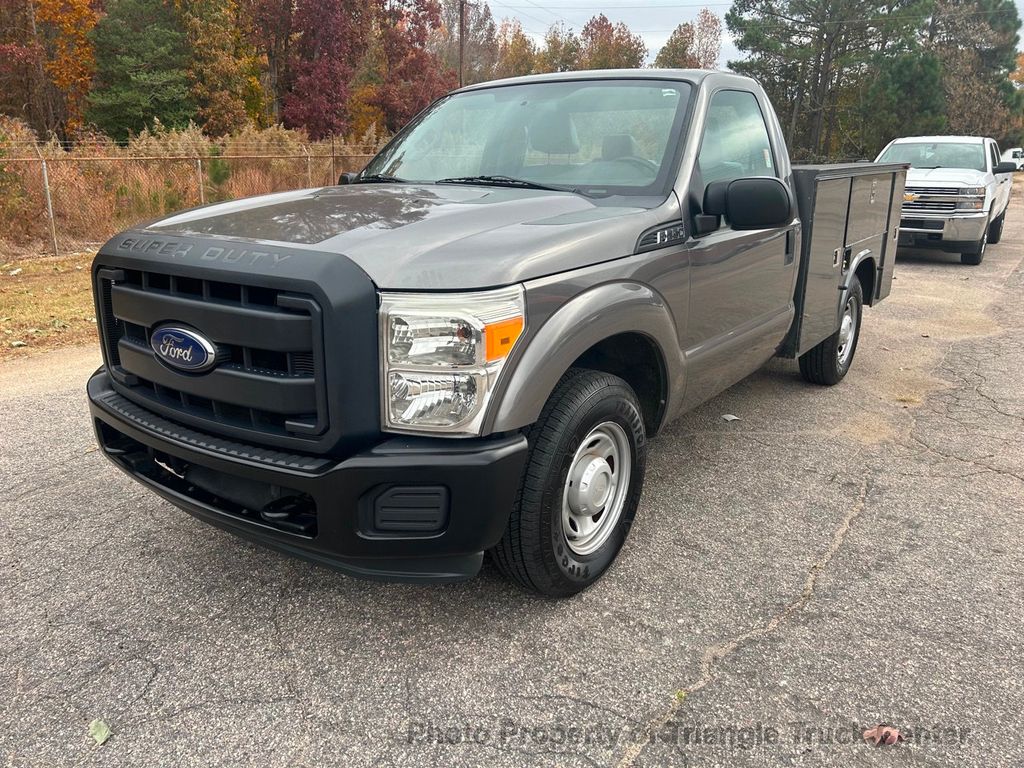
(581, 487)
(828, 362)
(975, 256)
(995, 230)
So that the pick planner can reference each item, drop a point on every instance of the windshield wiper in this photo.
(506, 181)
(378, 178)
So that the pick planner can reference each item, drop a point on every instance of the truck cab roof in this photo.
(693, 76)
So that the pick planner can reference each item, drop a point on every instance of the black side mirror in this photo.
(759, 202)
(1005, 168)
(346, 178)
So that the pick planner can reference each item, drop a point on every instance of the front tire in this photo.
(828, 362)
(976, 255)
(580, 491)
(995, 230)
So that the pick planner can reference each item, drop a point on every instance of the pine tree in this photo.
(141, 69)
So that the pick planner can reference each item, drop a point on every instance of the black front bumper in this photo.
(408, 509)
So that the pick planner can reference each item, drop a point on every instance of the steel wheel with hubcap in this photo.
(828, 361)
(847, 331)
(595, 491)
(581, 486)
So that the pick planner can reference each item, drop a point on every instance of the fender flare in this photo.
(587, 319)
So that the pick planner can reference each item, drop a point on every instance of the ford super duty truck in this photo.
(466, 347)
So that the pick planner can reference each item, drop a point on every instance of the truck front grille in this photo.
(269, 385)
(931, 199)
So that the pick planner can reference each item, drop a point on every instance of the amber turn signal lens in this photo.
(500, 337)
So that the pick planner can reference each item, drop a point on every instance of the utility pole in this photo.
(462, 39)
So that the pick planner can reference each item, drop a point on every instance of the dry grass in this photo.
(99, 188)
(45, 303)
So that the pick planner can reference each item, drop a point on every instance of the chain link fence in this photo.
(64, 205)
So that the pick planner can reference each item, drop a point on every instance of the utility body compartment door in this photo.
(850, 214)
(821, 270)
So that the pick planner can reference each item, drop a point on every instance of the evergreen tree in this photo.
(904, 97)
(141, 69)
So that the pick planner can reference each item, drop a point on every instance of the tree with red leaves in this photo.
(610, 46)
(412, 76)
(331, 36)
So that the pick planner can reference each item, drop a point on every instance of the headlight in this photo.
(442, 353)
(971, 199)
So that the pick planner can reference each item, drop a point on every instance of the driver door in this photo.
(741, 282)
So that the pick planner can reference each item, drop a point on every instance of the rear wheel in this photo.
(828, 362)
(581, 487)
(975, 256)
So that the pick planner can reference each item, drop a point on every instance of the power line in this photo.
(523, 13)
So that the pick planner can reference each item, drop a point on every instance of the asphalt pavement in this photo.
(834, 559)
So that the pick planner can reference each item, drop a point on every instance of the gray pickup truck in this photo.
(466, 347)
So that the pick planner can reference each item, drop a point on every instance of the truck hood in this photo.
(410, 237)
(945, 177)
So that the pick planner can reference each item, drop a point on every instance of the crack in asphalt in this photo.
(715, 654)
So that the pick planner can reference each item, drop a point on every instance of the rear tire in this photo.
(995, 230)
(828, 362)
(580, 491)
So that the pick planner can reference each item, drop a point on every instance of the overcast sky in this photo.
(654, 20)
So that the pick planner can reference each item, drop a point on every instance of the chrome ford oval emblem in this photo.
(183, 348)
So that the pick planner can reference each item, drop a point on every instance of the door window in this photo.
(735, 142)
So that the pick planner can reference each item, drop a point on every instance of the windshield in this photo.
(597, 137)
(936, 154)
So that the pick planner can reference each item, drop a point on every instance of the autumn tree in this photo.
(216, 72)
(1017, 76)
(70, 62)
(677, 52)
(976, 42)
(610, 46)
(707, 39)
(561, 50)
(480, 45)
(331, 36)
(146, 80)
(413, 76)
(268, 26)
(46, 62)
(23, 83)
(364, 111)
(693, 44)
(517, 53)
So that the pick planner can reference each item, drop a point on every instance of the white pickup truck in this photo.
(957, 193)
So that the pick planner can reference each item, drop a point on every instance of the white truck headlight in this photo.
(441, 356)
(971, 199)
